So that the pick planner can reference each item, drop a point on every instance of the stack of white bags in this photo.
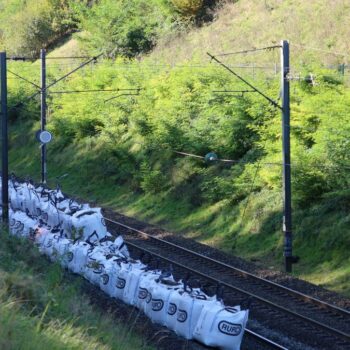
(76, 236)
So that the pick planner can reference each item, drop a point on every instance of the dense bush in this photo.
(188, 7)
(124, 27)
(28, 26)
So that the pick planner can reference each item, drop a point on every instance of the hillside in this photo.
(121, 153)
(316, 30)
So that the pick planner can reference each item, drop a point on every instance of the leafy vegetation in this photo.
(124, 27)
(28, 26)
(41, 307)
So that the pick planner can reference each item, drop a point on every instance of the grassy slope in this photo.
(42, 308)
(324, 245)
(255, 23)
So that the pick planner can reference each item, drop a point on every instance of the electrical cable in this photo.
(245, 81)
(24, 79)
(292, 165)
(68, 57)
(268, 48)
(56, 81)
(92, 90)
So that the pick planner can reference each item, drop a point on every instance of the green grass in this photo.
(42, 307)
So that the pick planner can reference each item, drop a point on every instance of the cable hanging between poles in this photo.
(245, 81)
(135, 94)
(24, 79)
(291, 165)
(16, 106)
(92, 90)
(267, 48)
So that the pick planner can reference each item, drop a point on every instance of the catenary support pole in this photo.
(43, 114)
(4, 139)
(287, 188)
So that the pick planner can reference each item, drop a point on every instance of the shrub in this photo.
(188, 7)
(124, 27)
(153, 181)
(37, 25)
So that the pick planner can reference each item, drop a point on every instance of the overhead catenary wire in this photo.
(26, 58)
(91, 90)
(245, 81)
(125, 94)
(292, 165)
(68, 57)
(24, 79)
(267, 48)
(18, 105)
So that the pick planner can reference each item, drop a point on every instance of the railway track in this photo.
(302, 319)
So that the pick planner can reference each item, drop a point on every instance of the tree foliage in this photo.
(124, 27)
(28, 26)
(188, 7)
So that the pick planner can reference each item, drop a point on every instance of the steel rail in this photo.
(335, 331)
(265, 340)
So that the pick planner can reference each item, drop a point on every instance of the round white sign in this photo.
(45, 137)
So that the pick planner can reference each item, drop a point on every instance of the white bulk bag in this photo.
(65, 223)
(14, 224)
(25, 192)
(71, 206)
(108, 247)
(16, 227)
(77, 256)
(29, 227)
(33, 205)
(145, 283)
(221, 327)
(62, 247)
(17, 199)
(63, 205)
(58, 195)
(189, 311)
(21, 224)
(108, 279)
(49, 214)
(160, 292)
(174, 299)
(23, 197)
(40, 237)
(47, 247)
(94, 267)
(122, 279)
(119, 246)
(132, 283)
(91, 223)
(14, 201)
